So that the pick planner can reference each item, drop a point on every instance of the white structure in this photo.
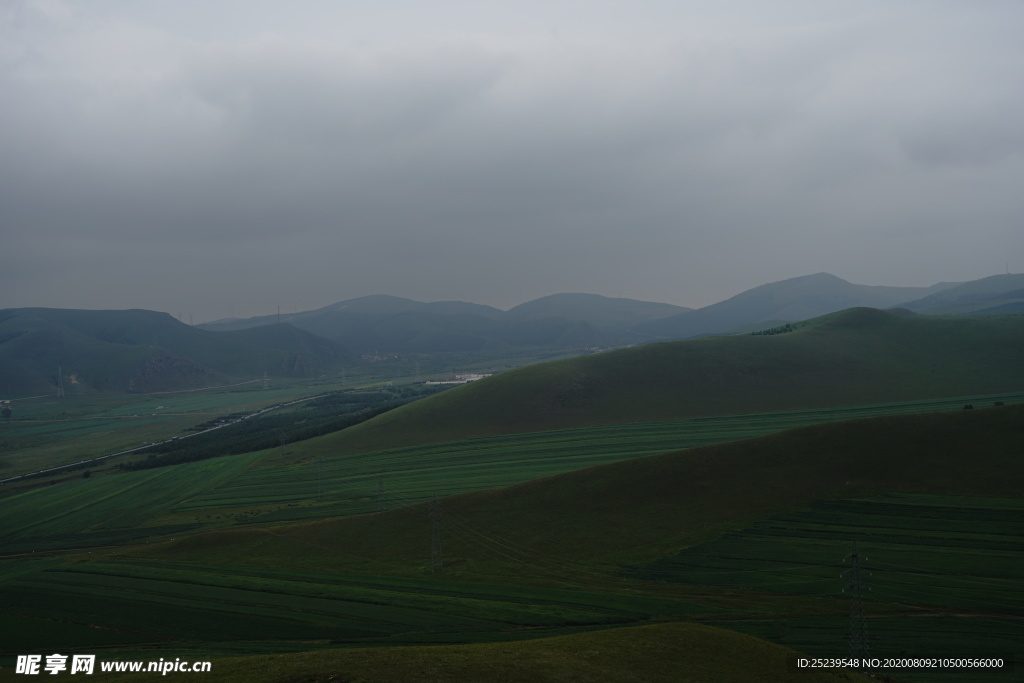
(460, 379)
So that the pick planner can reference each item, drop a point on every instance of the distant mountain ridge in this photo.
(593, 308)
(142, 351)
(995, 293)
(790, 300)
(394, 324)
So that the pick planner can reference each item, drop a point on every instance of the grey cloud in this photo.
(684, 154)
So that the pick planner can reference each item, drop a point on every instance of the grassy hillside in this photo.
(645, 507)
(854, 357)
(663, 653)
(545, 557)
(310, 480)
(143, 351)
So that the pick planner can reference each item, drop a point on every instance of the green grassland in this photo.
(645, 508)
(548, 555)
(45, 432)
(855, 357)
(954, 559)
(107, 510)
(308, 480)
(607, 529)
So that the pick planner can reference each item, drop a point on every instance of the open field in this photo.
(954, 559)
(222, 607)
(604, 526)
(777, 579)
(307, 480)
(322, 482)
(46, 432)
(108, 510)
(920, 549)
(546, 556)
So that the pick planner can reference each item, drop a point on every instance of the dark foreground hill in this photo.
(142, 351)
(355, 580)
(791, 300)
(856, 357)
(657, 653)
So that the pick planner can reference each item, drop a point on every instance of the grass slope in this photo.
(545, 556)
(855, 357)
(647, 507)
(307, 480)
(663, 653)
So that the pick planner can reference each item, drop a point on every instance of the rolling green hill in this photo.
(545, 557)
(642, 508)
(854, 357)
(143, 351)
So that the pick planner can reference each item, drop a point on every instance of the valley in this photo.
(715, 484)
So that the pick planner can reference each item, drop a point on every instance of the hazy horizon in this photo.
(223, 160)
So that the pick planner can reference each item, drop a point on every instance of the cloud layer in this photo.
(203, 158)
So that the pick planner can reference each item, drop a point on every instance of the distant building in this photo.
(460, 379)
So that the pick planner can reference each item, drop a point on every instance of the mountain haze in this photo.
(141, 351)
(990, 294)
(595, 309)
(390, 324)
(789, 300)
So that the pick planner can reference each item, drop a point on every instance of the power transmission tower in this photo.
(60, 382)
(266, 382)
(436, 560)
(856, 587)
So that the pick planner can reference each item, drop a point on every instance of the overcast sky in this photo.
(231, 156)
